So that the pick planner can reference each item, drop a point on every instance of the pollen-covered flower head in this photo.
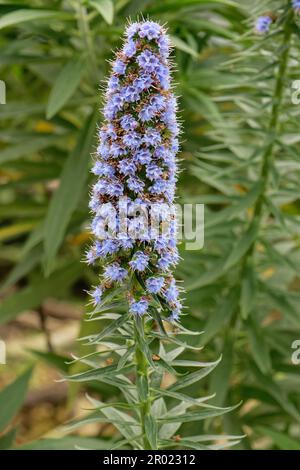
(135, 161)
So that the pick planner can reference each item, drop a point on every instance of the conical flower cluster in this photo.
(136, 170)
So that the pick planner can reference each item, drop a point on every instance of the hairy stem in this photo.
(142, 381)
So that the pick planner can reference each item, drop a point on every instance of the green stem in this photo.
(84, 28)
(273, 131)
(142, 381)
(273, 128)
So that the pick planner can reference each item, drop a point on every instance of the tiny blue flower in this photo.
(119, 67)
(143, 82)
(91, 256)
(142, 156)
(126, 243)
(96, 295)
(128, 122)
(171, 293)
(163, 76)
(152, 137)
(116, 150)
(132, 30)
(150, 30)
(135, 184)
(103, 150)
(263, 24)
(164, 46)
(130, 94)
(129, 49)
(111, 131)
(153, 172)
(154, 284)
(158, 103)
(132, 139)
(114, 188)
(167, 259)
(174, 317)
(127, 167)
(108, 247)
(148, 61)
(139, 261)
(139, 307)
(103, 169)
(113, 83)
(114, 272)
(147, 113)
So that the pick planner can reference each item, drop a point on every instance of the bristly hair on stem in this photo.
(137, 298)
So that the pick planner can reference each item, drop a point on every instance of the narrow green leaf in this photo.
(248, 291)
(151, 430)
(65, 85)
(220, 316)
(167, 443)
(196, 415)
(193, 377)
(12, 397)
(242, 246)
(182, 397)
(126, 356)
(108, 330)
(220, 378)
(208, 277)
(23, 15)
(105, 8)
(259, 348)
(55, 360)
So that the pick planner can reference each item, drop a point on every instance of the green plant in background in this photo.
(242, 288)
(251, 262)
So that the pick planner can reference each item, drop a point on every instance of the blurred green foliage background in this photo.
(242, 287)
